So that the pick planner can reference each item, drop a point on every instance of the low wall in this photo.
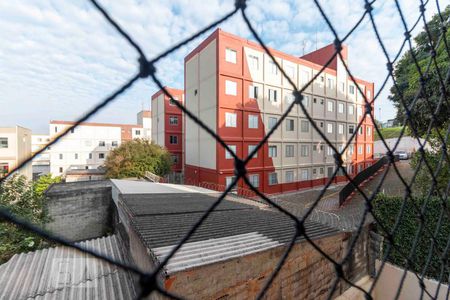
(389, 282)
(79, 210)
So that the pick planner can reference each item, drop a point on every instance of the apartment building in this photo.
(15, 147)
(234, 87)
(167, 125)
(41, 163)
(88, 145)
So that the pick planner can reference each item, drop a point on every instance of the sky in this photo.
(59, 58)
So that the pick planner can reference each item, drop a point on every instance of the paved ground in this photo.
(349, 216)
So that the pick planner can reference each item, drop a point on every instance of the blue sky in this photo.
(58, 58)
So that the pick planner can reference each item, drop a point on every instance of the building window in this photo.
(72, 130)
(230, 88)
(305, 101)
(3, 142)
(341, 128)
(253, 62)
(60, 169)
(304, 150)
(76, 155)
(368, 149)
(359, 111)
(137, 132)
(90, 155)
(228, 155)
(254, 180)
(173, 139)
(289, 151)
(351, 149)
(101, 144)
(351, 89)
(273, 178)
(330, 83)
(289, 176)
(273, 95)
(351, 129)
(273, 67)
(173, 120)
(290, 71)
(341, 108)
(174, 158)
(56, 128)
(360, 149)
(253, 121)
(330, 128)
(329, 151)
(343, 87)
(360, 130)
(114, 143)
(253, 92)
(330, 106)
(314, 171)
(61, 156)
(172, 101)
(304, 126)
(289, 125)
(289, 98)
(340, 148)
(305, 174)
(321, 79)
(321, 170)
(314, 147)
(230, 55)
(351, 109)
(305, 77)
(101, 155)
(272, 151)
(230, 119)
(250, 150)
(229, 180)
(368, 131)
(272, 122)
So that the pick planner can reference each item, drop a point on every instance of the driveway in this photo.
(349, 216)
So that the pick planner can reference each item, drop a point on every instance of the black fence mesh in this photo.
(147, 69)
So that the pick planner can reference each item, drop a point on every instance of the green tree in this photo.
(135, 157)
(26, 200)
(408, 79)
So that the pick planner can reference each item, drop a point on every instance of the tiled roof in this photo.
(233, 229)
(63, 273)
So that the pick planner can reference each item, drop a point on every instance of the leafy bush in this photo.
(387, 208)
(26, 200)
(135, 157)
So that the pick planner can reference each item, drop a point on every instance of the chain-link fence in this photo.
(147, 69)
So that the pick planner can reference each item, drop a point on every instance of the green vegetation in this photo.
(408, 79)
(26, 200)
(439, 165)
(386, 210)
(388, 133)
(135, 157)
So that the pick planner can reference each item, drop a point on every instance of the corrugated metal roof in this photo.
(63, 273)
(233, 229)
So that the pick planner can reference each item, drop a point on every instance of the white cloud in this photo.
(59, 58)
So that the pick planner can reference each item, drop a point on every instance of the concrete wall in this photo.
(79, 211)
(389, 281)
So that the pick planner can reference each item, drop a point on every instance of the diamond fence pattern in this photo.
(147, 69)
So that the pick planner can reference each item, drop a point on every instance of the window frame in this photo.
(228, 52)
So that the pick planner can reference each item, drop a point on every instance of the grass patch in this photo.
(388, 133)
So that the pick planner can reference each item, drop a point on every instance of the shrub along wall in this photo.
(386, 210)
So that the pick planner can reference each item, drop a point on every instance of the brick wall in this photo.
(79, 210)
(305, 274)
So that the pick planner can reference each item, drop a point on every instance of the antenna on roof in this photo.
(316, 38)
(303, 46)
